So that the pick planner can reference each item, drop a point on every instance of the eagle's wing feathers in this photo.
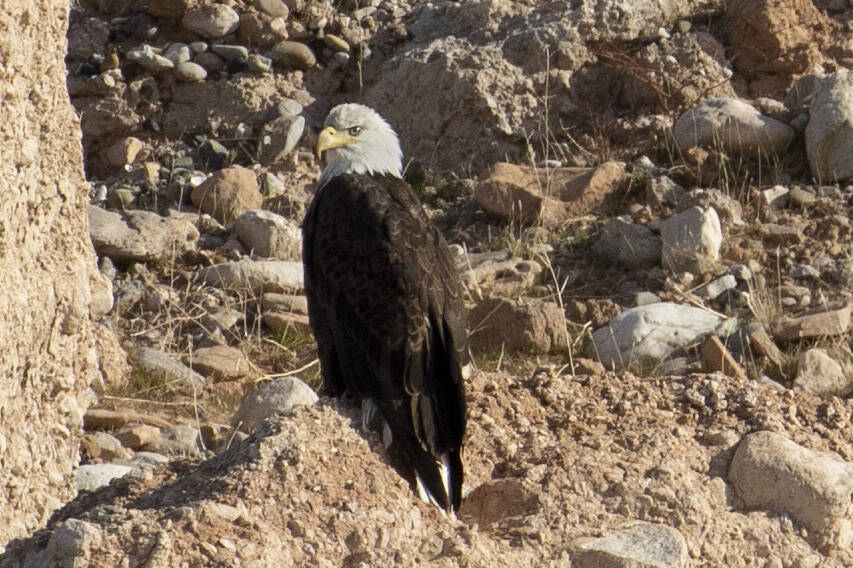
(383, 284)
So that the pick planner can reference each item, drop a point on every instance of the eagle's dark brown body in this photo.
(386, 308)
(385, 305)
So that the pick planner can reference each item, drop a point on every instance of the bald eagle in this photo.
(384, 301)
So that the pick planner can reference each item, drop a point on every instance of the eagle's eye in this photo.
(355, 130)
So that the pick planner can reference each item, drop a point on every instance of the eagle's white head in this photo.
(357, 140)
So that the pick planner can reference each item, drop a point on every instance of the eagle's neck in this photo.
(379, 161)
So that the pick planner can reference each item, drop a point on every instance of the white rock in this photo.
(212, 21)
(775, 198)
(732, 126)
(653, 331)
(691, 240)
(177, 53)
(93, 476)
(829, 133)
(815, 488)
(102, 295)
(256, 276)
(267, 234)
(281, 395)
(820, 374)
(144, 55)
(715, 287)
(635, 546)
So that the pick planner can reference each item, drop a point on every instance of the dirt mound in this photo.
(567, 458)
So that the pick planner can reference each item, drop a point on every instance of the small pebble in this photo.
(189, 72)
(805, 271)
(800, 197)
(145, 55)
(336, 43)
(177, 53)
(259, 63)
(231, 52)
(293, 54)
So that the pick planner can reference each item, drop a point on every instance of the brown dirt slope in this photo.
(550, 460)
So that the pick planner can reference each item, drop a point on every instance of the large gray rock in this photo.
(651, 331)
(139, 235)
(732, 126)
(267, 234)
(627, 243)
(771, 472)
(639, 545)
(93, 476)
(281, 395)
(255, 276)
(829, 133)
(691, 240)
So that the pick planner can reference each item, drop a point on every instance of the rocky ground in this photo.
(651, 210)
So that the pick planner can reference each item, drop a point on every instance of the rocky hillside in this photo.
(650, 204)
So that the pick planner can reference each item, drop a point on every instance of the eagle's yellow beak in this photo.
(329, 138)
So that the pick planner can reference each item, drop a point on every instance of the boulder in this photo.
(651, 331)
(267, 234)
(212, 21)
(531, 195)
(526, 324)
(228, 193)
(140, 235)
(94, 476)
(732, 126)
(47, 360)
(814, 488)
(829, 133)
(164, 368)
